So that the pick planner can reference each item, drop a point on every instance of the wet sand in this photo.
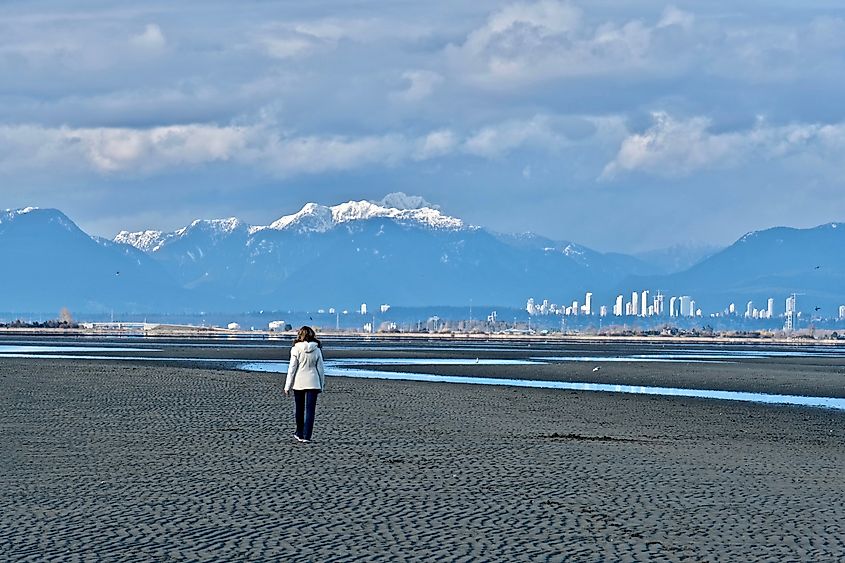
(135, 461)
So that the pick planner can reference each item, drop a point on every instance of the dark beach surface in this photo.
(188, 458)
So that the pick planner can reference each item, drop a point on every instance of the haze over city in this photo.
(624, 128)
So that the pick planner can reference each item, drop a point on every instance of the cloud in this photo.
(673, 16)
(421, 84)
(524, 43)
(675, 148)
(108, 151)
(151, 39)
(285, 40)
(543, 133)
(435, 144)
(144, 151)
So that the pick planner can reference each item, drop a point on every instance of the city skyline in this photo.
(639, 305)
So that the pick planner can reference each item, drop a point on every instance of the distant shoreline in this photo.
(190, 331)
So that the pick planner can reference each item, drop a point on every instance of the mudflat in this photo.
(143, 461)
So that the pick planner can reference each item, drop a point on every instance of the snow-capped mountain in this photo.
(312, 218)
(152, 241)
(399, 250)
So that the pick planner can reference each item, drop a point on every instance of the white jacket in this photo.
(306, 369)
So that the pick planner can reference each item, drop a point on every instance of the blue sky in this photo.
(622, 126)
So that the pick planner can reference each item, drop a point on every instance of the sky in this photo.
(621, 126)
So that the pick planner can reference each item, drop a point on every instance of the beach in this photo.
(141, 461)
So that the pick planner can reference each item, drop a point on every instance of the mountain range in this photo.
(400, 250)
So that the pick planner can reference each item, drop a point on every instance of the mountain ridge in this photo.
(365, 251)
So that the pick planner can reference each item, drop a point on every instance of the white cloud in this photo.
(108, 151)
(676, 148)
(288, 47)
(673, 16)
(314, 154)
(133, 151)
(151, 39)
(421, 84)
(496, 140)
(285, 40)
(436, 143)
(523, 43)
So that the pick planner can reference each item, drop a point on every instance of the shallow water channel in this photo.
(357, 368)
(346, 368)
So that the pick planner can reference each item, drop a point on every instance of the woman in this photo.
(307, 377)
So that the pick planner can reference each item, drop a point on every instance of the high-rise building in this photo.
(685, 306)
(603, 311)
(618, 308)
(363, 308)
(672, 305)
(384, 308)
(588, 304)
(575, 308)
(693, 312)
(748, 309)
(732, 309)
(770, 308)
(789, 316)
(635, 303)
(658, 304)
(644, 304)
(530, 307)
(842, 312)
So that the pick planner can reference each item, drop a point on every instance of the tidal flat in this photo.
(172, 452)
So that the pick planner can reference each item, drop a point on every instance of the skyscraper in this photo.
(770, 308)
(672, 304)
(644, 304)
(635, 303)
(685, 307)
(790, 316)
(842, 312)
(618, 308)
(658, 304)
(588, 304)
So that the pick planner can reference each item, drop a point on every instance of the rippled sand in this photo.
(138, 461)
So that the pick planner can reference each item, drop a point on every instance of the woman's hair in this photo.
(307, 334)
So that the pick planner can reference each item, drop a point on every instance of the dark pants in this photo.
(306, 405)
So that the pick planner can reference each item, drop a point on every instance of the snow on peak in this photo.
(398, 206)
(10, 214)
(226, 226)
(312, 217)
(148, 241)
(573, 251)
(153, 241)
